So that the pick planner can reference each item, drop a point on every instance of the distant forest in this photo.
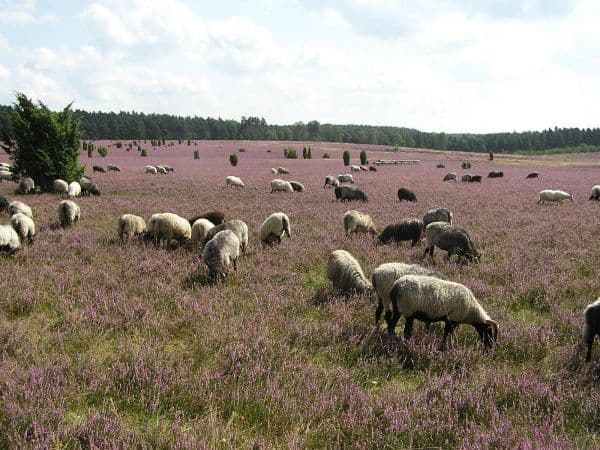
(132, 125)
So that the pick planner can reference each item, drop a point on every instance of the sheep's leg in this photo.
(408, 327)
(235, 265)
(415, 241)
(388, 320)
(448, 330)
(588, 355)
(378, 312)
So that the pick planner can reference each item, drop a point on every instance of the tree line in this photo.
(134, 125)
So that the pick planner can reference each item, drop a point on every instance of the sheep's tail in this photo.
(286, 226)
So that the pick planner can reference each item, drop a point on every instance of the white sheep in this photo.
(595, 195)
(6, 175)
(25, 186)
(151, 169)
(165, 227)
(74, 189)
(384, 277)
(549, 195)
(9, 239)
(345, 273)
(68, 213)
(283, 170)
(431, 300)
(450, 177)
(200, 230)
(345, 178)
(129, 225)
(279, 185)
(591, 326)
(24, 226)
(354, 168)
(60, 186)
(234, 181)
(220, 252)
(332, 181)
(274, 227)
(16, 206)
(239, 228)
(356, 222)
(437, 215)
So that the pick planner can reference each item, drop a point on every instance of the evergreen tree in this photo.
(346, 157)
(363, 157)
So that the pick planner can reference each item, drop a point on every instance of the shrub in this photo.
(440, 165)
(139, 148)
(164, 142)
(309, 154)
(119, 144)
(144, 152)
(242, 150)
(129, 146)
(233, 159)
(189, 142)
(363, 158)
(196, 154)
(326, 156)
(491, 156)
(102, 151)
(290, 154)
(304, 153)
(466, 165)
(90, 150)
(346, 157)
(179, 141)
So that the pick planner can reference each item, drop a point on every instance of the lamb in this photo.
(113, 167)
(406, 230)
(98, 169)
(450, 177)
(129, 225)
(68, 213)
(466, 177)
(345, 273)
(88, 186)
(74, 189)
(60, 186)
(431, 300)
(297, 187)
(24, 227)
(150, 169)
(348, 193)
(165, 227)
(345, 178)
(220, 252)
(9, 239)
(216, 217)
(406, 194)
(355, 222)
(25, 186)
(532, 175)
(239, 227)
(595, 193)
(591, 326)
(453, 240)
(354, 168)
(274, 227)
(16, 206)
(283, 170)
(3, 204)
(548, 195)
(384, 277)
(234, 181)
(200, 229)
(332, 181)
(279, 185)
(437, 215)
(475, 179)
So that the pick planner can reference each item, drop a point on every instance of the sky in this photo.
(436, 65)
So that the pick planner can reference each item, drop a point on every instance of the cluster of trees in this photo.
(133, 125)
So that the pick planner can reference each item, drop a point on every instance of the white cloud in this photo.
(22, 12)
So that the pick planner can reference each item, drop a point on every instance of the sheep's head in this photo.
(490, 334)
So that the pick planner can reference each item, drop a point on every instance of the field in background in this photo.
(109, 345)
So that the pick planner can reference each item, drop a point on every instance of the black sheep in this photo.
(406, 194)
(348, 193)
(372, 169)
(475, 179)
(406, 230)
(533, 175)
(98, 169)
(591, 326)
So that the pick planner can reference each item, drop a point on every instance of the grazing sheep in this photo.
(332, 181)
(165, 227)
(68, 213)
(113, 167)
(24, 226)
(161, 169)
(595, 193)
(466, 177)
(345, 273)
(431, 299)
(216, 217)
(345, 178)
(591, 326)
(495, 174)
(274, 227)
(349, 193)
(273, 170)
(475, 179)
(88, 186)
(74, 189)
(283, 170)
(406, 194)
(3, 204)
(25, 186)
(451, 239)
(405, 230)
(16, 206)
(200, 230)
(450, 177)
(9, 239)
(384, 277)
(533, 175)
(60, 186)
(150, 169)
(549, 195)
(220, 252)
(372, 169)
(6, 175)
(234, 181)
(239, 227)
(98, 169)
(437, 215)
(354, 168)
(297, 187)
(279, 185)
(355, 222)
(130, 225)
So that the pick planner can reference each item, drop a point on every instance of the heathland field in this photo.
(129, 346)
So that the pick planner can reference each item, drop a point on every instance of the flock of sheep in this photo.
(401, 289)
